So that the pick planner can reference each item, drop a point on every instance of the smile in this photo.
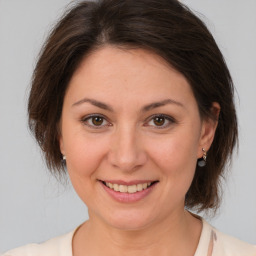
(128, 188)
(128, 192)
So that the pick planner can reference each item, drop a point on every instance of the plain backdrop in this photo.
(34, 206)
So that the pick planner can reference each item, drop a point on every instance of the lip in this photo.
(128, 183)
(128, 197)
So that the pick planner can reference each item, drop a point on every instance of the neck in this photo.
(177, 235)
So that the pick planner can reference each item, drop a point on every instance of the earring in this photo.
(64, 158)
(202, 161)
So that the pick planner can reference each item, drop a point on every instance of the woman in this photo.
(134, 100)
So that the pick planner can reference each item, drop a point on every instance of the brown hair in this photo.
(165, 27)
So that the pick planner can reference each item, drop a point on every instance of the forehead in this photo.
(128, 73)
(110, 59)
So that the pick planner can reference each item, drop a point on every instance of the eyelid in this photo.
(87, 117)
(170, 119)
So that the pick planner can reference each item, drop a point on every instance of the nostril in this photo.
(127, 156)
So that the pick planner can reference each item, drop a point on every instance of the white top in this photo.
(211, 243)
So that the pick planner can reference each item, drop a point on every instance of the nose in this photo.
(126, 150)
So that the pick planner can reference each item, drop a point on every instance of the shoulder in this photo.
(58, 246)
(232, 246)
(225, 245)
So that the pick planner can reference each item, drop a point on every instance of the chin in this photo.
(129, 220)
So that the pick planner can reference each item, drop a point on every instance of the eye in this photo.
(95, 121)
(160, 121)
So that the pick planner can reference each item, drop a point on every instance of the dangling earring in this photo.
(202, 161)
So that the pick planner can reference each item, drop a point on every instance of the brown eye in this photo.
(159, 121)
(97, 120)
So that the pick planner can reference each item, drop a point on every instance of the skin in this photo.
(129, 144)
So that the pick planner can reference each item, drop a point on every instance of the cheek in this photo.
(84, 157)
(174, 153)
(176, 158)
(85, 154)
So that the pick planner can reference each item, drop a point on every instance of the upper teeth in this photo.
(128, 189)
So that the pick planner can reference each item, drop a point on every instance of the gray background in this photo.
(33, 205)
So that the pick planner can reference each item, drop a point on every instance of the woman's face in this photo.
(132, 134)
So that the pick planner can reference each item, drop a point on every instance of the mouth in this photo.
(130, 189)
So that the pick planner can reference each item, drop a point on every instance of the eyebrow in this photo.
(96, 103)
(146, 108)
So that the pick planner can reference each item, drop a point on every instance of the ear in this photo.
(62, 150)
(208, 129)
(60, 138)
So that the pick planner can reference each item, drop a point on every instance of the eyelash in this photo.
(170, 120)
(85, 120)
